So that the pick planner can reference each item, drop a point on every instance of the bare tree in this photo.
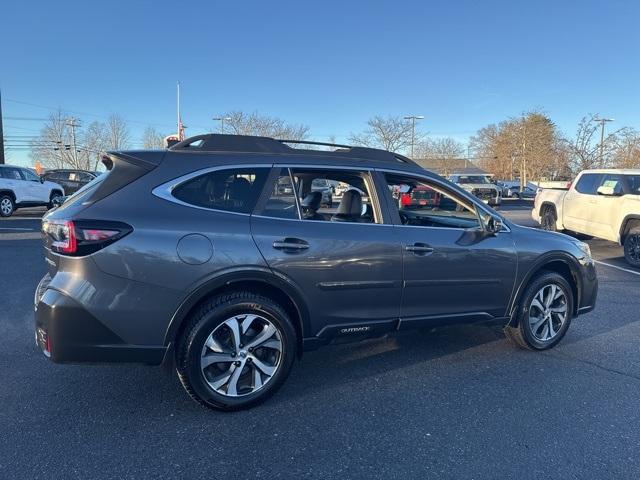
(242, 123)
(626, 148)
(584, 148)
(442, 150)
(96, 143)
(119, 137)
(391, 133)
(152, 139)
(54, 146)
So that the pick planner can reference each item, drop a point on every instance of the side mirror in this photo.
(607, 191)
(494, 225)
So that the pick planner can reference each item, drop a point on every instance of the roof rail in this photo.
(214, 142)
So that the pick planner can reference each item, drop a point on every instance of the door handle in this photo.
(419, 248)
(290, 244)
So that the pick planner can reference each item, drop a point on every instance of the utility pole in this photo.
(221, 120)
(413, 119)
(1, 134)
(73, 123)
(602, 121)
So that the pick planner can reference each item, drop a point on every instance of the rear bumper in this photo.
(66, 332)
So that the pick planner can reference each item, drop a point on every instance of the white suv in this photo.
(600, 203)
(21, 187)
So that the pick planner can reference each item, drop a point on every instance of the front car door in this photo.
(342, 258)
(19, 186)
(454, 271)
(36, 190)
(606, 216)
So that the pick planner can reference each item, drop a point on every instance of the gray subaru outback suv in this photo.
(197, 257)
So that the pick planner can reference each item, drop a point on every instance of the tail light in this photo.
(405, 199)
(82, 237)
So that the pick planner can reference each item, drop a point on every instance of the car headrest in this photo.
(312, 201)
(240, 189)
(351, 204)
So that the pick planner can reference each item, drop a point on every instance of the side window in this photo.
(423, 204)
(29, 175)
(633, 181)
(614, 181)
(588, 183)
(282, 200)
(11, 173)
(232, 190)
(85, 177)
(335, 195)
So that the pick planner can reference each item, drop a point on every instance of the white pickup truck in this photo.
(21, 187)
(599, 203)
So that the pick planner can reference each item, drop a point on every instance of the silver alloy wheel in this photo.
(5, 206)
(548, 312)
(241, 355)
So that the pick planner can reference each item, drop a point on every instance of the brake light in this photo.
(63, 235)
(82, 237)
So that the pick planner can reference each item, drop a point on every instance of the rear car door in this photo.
(344, 260)
(453, 270)
(580, 204)
(14, 181)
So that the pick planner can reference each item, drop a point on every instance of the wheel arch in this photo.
(548, 204)
(11, 193)
(627, 223)
(55, 190)
(262, 282)
(563, 264)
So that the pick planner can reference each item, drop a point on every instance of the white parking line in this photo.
(619, 268)
(16, 228)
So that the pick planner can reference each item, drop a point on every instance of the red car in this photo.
(420, 196)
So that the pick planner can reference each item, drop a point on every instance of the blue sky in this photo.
(330, 65)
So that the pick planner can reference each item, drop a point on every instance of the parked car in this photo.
(420, 196)
(600, 203)
(71, 180)
(526, 192)
(216, 271)
(480, 186)
(21, 187)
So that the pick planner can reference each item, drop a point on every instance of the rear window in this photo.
(231, 190)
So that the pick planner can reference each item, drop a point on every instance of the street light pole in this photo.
(221, 120)
(413, 119)
(602, 121)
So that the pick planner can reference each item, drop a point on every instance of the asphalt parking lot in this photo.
(459, 402)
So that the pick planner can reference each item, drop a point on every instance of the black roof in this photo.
(252, 144)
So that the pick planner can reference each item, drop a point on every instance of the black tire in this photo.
(7, 205)
(632, 247)
(548, 219)
(212, 314)
(54, 195)
(522, 335)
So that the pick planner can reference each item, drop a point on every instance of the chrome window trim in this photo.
(165, 190)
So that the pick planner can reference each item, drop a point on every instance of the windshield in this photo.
(475, 179)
